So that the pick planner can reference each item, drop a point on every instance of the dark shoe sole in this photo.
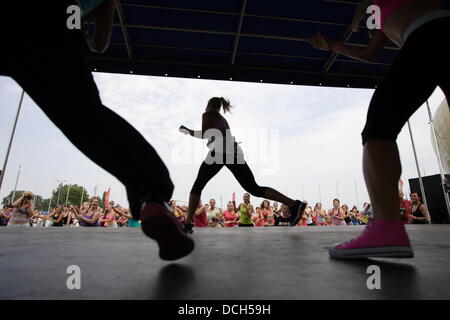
(159, 224)
(376, 252)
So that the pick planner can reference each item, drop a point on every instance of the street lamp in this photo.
(59, 191)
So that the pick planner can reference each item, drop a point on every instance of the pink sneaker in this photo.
(160, 224)
(381, 238)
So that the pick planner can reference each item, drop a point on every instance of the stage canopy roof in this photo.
(239, 40)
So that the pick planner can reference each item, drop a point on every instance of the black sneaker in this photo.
(296, 212)
(188, 228)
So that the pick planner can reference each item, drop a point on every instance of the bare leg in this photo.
(382, 169)
(194, 200)
(274, 195)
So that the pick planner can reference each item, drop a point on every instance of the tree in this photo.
(9, 198)
(37, 199)
(75, 192)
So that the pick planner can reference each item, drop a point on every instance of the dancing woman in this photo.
(23, 211)
(90, 217)
(57, 217)
(224, 151)
(422, 29)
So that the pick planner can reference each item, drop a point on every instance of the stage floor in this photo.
(230, 263)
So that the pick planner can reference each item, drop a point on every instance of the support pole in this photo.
(2, 174)
(422, 189)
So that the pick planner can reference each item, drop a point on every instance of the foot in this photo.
(188, 228)
(159, 223)
(381, 238)
(296, 212)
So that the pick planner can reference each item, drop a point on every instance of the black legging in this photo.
(422, 64)
(48, 61)
(241, 172)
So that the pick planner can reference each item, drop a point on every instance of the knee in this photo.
(197, 189)
(379, 132)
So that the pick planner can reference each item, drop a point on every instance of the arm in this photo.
(94, 218)
(60, 217)
(199, 210)
(69, 218)
(98, 41)
(30, 210)
(363, 53)
(194, 133)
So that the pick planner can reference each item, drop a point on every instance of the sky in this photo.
(304, 141)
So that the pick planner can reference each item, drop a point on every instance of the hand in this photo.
(321, 42)
(183, 129)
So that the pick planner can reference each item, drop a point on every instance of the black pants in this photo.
(422, 64)
(48, 61)
(241, 172)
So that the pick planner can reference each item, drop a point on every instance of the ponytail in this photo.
(225, 105)
(216, 103)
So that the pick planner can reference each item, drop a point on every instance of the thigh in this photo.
(205, 173)
(406, 86)
(243, 175)
(57, 77)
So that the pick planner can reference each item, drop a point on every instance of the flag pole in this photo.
(357, 198)
(422, 189)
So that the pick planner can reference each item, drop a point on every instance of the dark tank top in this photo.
(419, 214)
(58, 224)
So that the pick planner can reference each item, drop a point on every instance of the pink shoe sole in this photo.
(160, 225)
(374, 252)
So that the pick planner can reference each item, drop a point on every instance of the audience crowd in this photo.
(244, 214)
